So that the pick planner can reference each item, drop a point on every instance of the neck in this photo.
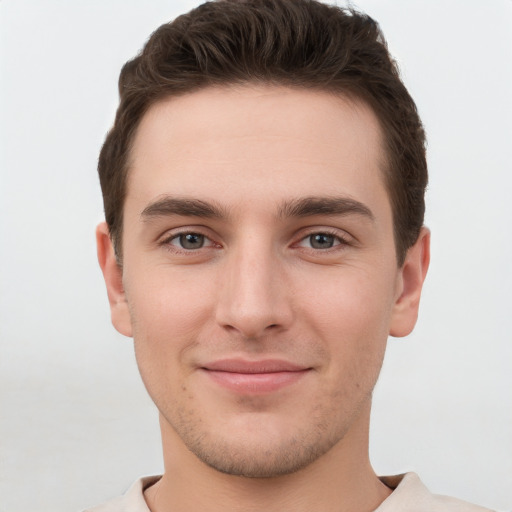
(342, 480)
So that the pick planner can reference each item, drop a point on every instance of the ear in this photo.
(113, 275)
(411, 278)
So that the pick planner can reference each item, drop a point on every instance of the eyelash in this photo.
(340, 241)
(167, 242)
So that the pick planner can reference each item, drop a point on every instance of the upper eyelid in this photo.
(339, 238)
(171, 233)
(299, 236)
(326, 230)
(165, 241)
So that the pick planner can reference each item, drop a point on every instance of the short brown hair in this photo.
(296, 43)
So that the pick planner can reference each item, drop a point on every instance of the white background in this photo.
(76, 426)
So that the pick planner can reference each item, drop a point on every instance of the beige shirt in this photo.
(409, 495)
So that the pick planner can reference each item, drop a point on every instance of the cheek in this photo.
(165, 319)
(351, 314)
(350, 302)
(167, 306)
(168, 313)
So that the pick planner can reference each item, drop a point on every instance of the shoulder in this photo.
(411, 495)
(131, 501)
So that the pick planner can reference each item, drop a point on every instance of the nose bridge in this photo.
(253, 296)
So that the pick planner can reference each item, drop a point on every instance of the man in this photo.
(263, 187)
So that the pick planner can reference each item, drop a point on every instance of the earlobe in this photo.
(113, 275)
(412, 276)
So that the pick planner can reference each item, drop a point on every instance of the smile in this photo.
(248, 377)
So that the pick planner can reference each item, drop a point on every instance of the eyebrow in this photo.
(311, 206)
(303, 207)
(168, 205)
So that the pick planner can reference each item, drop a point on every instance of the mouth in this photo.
(254, 377)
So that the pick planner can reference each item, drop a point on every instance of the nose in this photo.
(254, 298)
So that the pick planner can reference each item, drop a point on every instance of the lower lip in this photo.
(255, 383)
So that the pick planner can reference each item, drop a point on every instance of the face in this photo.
(259, 278)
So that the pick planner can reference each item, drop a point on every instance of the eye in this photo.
(321, 241)
(190, 241)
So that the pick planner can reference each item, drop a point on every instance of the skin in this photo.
(291, 260)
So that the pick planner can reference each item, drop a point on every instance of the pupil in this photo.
(191, 241)
(321, 241)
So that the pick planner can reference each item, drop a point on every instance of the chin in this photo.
(264, 448)
(268, 460)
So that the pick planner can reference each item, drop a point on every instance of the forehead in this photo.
(236, 142)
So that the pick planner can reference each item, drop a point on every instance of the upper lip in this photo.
(261, 366)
